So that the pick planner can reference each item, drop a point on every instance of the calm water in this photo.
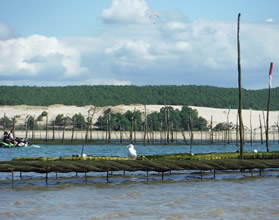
(181, 195)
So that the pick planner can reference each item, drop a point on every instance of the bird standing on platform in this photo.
(132, 154)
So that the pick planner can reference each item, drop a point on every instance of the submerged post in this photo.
(12, 171)
(239, 89)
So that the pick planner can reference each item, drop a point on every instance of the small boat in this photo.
(21, 143)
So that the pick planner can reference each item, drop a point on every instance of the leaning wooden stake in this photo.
(239, 89)
(268, 104)
(46, 128)
(261, 129)
(211, 130)
(33, 136)
(73, 130)
(64, 128)
(145, 125)
(251, 129)
(53, 130)
(4, 124)
(27, 127)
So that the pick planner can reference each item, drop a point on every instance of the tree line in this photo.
(167, 119)
(107, 95)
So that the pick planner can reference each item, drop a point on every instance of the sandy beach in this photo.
(22, 112)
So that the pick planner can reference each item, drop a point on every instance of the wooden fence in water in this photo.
(140, 137)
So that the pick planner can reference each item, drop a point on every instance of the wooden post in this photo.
(4, 123)
(33, 128)
(14, 121)
(109, 132)
(172, 134)
(145, 125)
(240, 91)
(87, 129)
(228, 125)
(131, 131)
(85, 176)
(46, 128)
(211, 130)
(261, 129)
(53, 130)
(236, 131)
(214, 174)
(251, 129)
(64, 126)
(268, 106)
(27, 127)
(191, 134)
(73, 130)
(12, 171)
(168, 125)
(120, 130)
(183, 135)
(135, 131)
(147, 177)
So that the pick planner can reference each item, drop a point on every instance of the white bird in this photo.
(132, 154)
(255, 151)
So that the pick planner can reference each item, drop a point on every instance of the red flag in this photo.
(270, 74)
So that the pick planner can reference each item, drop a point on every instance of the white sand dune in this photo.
(218, 115)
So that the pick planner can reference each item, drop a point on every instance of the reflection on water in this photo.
(180, 195)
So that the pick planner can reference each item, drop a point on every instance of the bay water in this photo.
(179, 195)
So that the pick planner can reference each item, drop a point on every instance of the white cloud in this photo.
(35, 54)
(127, 11)
(175, 25)
(130, 52)
(135, 51)
(106, 81)
(269, 20)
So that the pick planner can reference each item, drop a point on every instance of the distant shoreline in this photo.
(218, 115)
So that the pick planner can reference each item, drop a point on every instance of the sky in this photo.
(123, 42)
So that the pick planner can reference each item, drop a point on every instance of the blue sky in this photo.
(69, 42)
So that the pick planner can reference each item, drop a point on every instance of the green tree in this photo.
(79, 121)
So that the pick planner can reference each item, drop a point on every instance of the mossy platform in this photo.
(160, 163)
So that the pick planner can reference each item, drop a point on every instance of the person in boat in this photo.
(6, 138)
(12, 138)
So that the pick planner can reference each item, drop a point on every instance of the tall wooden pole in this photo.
(46, 128)
(145, 125)
(268, 104)
(27, 128)
(211, 129)
(53, 130)
(4, 123)
(73, 130)
(251, 129)
(261, 129)
(239, 89)
(33, 129)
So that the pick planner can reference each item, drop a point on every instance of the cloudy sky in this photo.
(122, 42)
